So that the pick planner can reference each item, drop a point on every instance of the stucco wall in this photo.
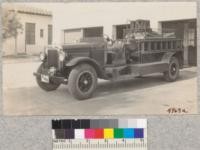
(41, 22)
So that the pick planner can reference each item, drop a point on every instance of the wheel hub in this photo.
(173, 69)
(85, 81)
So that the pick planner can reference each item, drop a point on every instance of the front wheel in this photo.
(82, 81)
(173, 70)
(45, 86)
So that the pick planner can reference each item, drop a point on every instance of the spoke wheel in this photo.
(82, 81)
(85, 81)
(173, 71)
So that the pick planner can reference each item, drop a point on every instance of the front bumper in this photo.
(55, 79)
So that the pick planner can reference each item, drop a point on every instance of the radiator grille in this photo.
(52, 58)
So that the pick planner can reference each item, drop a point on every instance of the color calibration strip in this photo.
(99, 134)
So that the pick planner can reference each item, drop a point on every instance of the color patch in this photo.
(141, 123)
(128, 133)
(113, 123)
(118, 133)
(122, 123)
(85, 123)
(89, 133)
(76, 124)
(66, 124)
(60, 133)
(94, 123)
(138, 133)
(132, 123)
(56, 124)
(99, 134)
(79, 134)
(108, 133)
(69, 133)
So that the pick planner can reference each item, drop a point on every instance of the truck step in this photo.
(149, 68)
(131, 71)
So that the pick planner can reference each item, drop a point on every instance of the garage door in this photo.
(72, 36)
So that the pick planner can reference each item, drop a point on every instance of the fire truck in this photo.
(141, 52)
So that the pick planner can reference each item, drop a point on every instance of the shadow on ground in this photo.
(107, 87)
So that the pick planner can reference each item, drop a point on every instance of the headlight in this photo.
(61, 55)
(42, 56)
(52, 71)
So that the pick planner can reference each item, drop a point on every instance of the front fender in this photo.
(78, 60)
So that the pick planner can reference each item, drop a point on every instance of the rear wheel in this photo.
(82, 81)
(173, 71)
(45, 86)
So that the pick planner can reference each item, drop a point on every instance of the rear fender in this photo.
(179, 55)
(167, 57)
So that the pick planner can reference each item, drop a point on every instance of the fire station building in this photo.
(184, 29)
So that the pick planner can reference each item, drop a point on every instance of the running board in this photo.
(149, 68)
(131, 71)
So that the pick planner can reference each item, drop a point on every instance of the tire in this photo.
(173, 71)
(82, 81)
(45, 86)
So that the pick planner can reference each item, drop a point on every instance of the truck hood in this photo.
(82, 46)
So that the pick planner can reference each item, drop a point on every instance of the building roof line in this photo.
(186, 19)
(82, 28)
(33, 13)
(29, 10)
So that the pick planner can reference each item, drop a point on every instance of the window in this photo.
(41, 33)
(93, 32)
(191, 37)
(30, 33)
(50, 34)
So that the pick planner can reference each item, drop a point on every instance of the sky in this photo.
(75, 15)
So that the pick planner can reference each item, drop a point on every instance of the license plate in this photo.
(45, 78)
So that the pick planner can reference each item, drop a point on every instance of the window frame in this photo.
(30, 33)
(41, 33)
